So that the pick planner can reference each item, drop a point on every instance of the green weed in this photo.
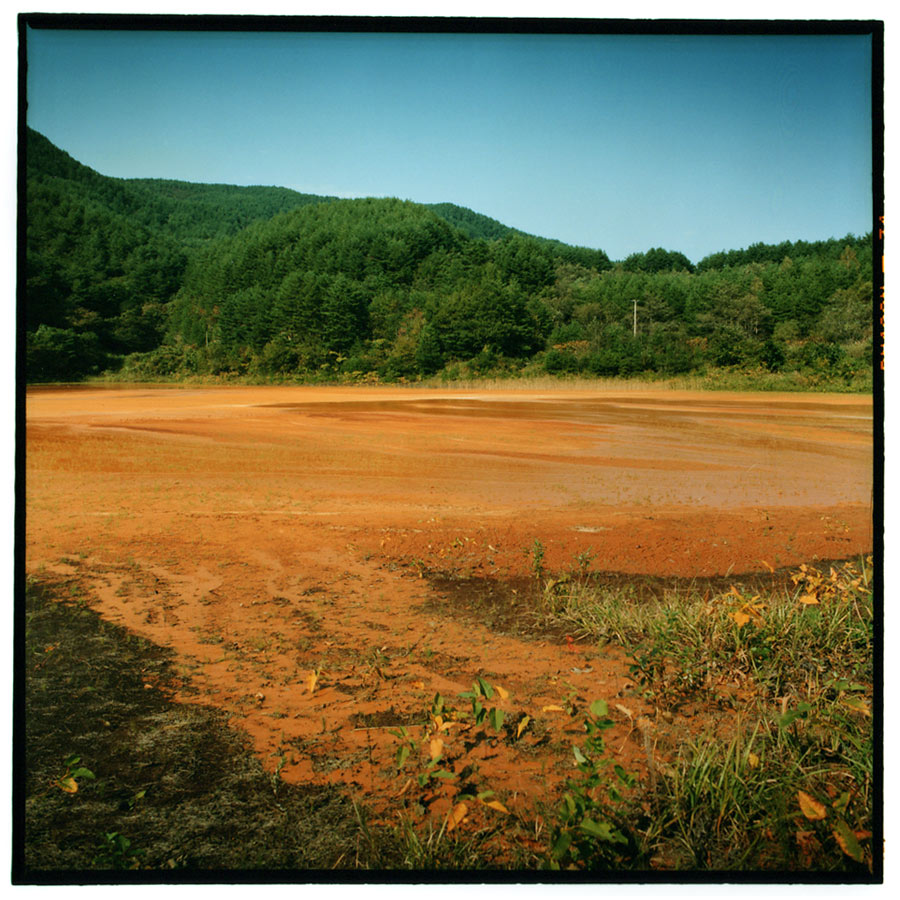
(116, 852)
(592, 830)
(784, 783)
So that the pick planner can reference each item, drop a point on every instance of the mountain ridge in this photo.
(160, 278)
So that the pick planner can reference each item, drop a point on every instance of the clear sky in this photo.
(622, 142)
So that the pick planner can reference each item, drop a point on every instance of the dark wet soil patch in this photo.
(384, 718)
(514, 605)
(175, 790)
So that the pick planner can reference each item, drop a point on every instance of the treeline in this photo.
(168, 279)
(380, 286)
(104, 256)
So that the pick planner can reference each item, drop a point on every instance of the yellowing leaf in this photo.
(311, 680)
(809, 599)
(68, 784)
(523, 724)
(768, 566)
(847, 840)
(405, 787)
(456, 815)
(811, 808)
(741, 618)
(552, 708)
(504, 694)
(418, 685)
(857, 704)
(752, 760)
(436, 748)
(496, 804)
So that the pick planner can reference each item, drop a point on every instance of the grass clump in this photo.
(773, 769)
(759, 749)
(592, 831)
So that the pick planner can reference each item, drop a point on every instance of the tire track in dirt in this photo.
(379, 662)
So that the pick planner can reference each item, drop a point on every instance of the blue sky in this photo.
(620, 142)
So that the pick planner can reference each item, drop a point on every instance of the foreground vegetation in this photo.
(164, 279)
(774, 767)
(759, 753)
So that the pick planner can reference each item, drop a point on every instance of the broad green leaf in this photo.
(847, 840)
(81, 772)
(561, 845)
(599, 708)
(402, 754)
(579, 756)
(443, 773)
(842, 802)
(601, 830)
(486, 689)
(496, 717)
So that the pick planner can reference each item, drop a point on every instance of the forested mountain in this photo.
(476, 225)
(167, 278)
(195, 213)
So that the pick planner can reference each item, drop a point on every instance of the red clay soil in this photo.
(276, 539)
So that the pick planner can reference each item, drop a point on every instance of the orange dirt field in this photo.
(280, 541)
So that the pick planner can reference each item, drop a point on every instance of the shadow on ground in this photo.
(174, 790)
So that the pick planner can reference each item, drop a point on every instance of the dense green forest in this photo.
(149, 279)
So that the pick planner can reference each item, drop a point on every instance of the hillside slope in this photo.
(169, 278)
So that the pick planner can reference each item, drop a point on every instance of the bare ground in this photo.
(321, 562)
